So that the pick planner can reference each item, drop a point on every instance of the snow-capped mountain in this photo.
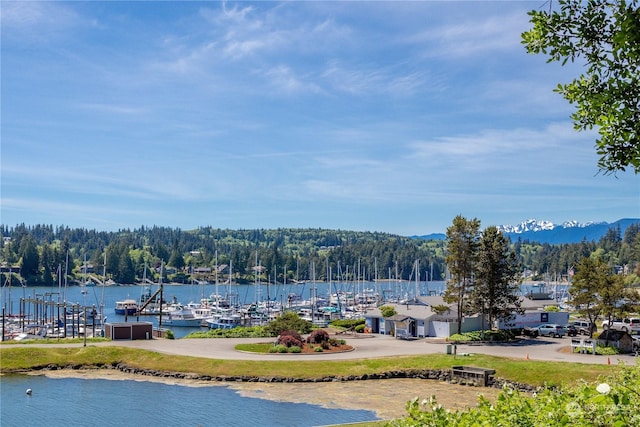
(567, 232)
(547, 232)
(537, 225)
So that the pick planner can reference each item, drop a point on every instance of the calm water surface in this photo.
(68, 402)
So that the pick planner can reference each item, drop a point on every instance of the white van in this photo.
(629, 324)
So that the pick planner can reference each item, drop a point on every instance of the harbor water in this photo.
(107, 296)
(185, 293)
(69, 402)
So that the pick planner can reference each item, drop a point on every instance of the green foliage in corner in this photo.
(612, 401)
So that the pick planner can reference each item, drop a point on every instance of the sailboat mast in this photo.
(217, 293)
(417, 278)
(104, 283)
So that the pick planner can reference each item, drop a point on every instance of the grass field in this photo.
(17, 359)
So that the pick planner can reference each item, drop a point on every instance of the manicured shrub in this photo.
(360, 328)
(318, 336)
(289, 341)
(489, 335)
(295, 349)
(291, 333)
(237, 332)
(290, 338)
(168, 334)
(282, 349)
(347, 323)
(607, 351)
(318, 349)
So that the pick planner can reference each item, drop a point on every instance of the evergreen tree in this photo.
(160, 251)
(496, 285)
(29, 258)
(48, 265)
(126, 271)
(176, 260)
(462, 255)
(113, 260)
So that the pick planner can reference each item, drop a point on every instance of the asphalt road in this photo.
(374, 346)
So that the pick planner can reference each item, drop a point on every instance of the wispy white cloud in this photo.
(29, 16)
(42, 23)
(54, 209)
(370, 79)
(493, 142)
(473, 36)
(116, 182)
(284, 79)
(113, 108)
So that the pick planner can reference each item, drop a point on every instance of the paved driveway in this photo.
(551, 349)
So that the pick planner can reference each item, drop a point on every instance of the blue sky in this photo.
(376, 116)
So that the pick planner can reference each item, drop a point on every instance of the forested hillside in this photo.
(36, 254)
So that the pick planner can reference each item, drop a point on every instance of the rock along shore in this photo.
(442, 375)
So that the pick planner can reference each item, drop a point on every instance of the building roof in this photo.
(415, 311)
(613, 335)
(536, 304)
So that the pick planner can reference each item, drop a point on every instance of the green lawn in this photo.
(16, 359)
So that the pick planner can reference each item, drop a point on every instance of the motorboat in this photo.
(126, 307)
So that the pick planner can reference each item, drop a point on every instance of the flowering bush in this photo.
(290, 337)
(289, 341)
(614, 401)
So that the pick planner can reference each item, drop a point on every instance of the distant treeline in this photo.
(42, 253)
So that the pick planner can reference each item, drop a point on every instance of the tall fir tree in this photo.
(496, 284)
(462, 255)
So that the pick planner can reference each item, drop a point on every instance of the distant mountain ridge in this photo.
(535, 226)
(548, 232)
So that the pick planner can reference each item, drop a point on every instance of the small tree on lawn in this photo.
(288, 321)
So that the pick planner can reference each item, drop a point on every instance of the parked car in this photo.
(583, 327)
(625, 325)
(530, 331)
(551, 330)
(572, 331)
(636, 341)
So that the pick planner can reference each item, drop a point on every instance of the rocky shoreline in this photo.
(441, 375)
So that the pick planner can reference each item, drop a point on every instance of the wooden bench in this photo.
(472, 375)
